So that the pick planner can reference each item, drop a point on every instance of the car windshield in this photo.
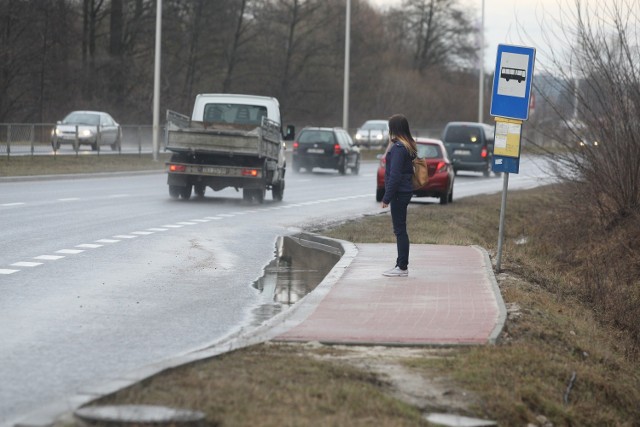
(374, 126)
(428, 151)
(238, 114)
(82, 119)
(462, 134)
(311, 136)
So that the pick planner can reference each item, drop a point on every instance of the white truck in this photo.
(229, 141)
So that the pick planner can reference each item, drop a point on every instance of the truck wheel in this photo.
(259, 195)
(277, 191)
(174, 191)
(185, 192)
(199, 189)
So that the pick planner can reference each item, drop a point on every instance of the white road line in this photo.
(200, 220)
(157, 229)
(226, 215)
(125, 236)
(26, 264)
(172, 226)
(7, 271)
(13, 204)
(107, 241)
(212, 217)
(142, 233)
(186, 223)
(70, 251)
(69, 199)
(117, 196)
(89, 246)
(49, 257)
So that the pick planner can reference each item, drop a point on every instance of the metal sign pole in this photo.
(503, 208)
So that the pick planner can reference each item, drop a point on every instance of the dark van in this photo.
(469, 146)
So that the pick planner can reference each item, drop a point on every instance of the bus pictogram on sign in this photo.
(513, 73)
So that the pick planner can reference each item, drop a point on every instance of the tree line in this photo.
(62, 55)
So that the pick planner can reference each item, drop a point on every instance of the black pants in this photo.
(398, 206)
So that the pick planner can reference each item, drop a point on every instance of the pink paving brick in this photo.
(450, 297)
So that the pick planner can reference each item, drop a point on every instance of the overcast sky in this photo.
(505, 21)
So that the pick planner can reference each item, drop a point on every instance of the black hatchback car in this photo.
(470, 146)
(328, 148)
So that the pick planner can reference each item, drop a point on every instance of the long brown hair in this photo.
(399, 129)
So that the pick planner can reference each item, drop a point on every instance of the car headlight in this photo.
(86, 133)
(57, 131)
(379, 137)
(358, 136)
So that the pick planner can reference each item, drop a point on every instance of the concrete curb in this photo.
(502, 309)
(63, 409)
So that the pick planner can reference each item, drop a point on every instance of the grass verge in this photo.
(83, 163)
(558, 362)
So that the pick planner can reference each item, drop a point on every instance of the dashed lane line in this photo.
(172, 226)
(142, 233)
(125, 236)
(13, 204)
(7, 271)
(107, 241)
(89, 246)
(49, 257)
(26, 264)
(70, 251)
(186, 223)
(157, 229)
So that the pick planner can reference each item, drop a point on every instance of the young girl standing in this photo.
(398, 188)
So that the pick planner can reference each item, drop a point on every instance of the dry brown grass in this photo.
(83, 163)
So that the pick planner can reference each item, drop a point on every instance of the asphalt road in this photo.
(100, 276)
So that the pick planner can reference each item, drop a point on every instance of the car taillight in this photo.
(442, 167)
(295, 145)
(337, 149)
(250, 172)
(177, 168)
(483, 153)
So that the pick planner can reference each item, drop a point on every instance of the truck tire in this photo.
(185, 192)
(200, 189)
(277, 191)
(174, 191)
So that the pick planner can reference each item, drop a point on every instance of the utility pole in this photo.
(156, 80)
(347, 48)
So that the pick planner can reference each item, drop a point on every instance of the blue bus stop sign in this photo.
(512, 82)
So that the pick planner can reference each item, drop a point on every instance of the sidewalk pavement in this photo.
(450, 298)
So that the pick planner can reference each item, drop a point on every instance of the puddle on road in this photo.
(295, 271)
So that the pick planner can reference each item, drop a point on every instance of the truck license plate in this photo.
(214, 171)
(315, 150)
(462, 152)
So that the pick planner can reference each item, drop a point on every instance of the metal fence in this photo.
(30, 139)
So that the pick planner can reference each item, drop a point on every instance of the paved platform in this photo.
(450, 297)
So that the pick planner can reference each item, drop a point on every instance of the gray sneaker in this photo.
(396, 272)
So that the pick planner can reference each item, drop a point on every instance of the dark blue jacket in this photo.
(398, 172)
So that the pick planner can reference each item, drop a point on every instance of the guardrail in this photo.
(31, 139)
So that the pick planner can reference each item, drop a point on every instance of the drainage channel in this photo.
(301, 262)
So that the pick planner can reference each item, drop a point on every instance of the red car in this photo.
(441, 173)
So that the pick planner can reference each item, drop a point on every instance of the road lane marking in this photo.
(125, 236)
(226, 215)
(142, 233)
(157, 229)
(69, 199)
(7, 271)
(49, 257)
(212, 217)
(26, 264)
(186, 223)
(200, 220)
(13, 204)
(172, 226)
(107, 241)
(89, 246)
(70, 251)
